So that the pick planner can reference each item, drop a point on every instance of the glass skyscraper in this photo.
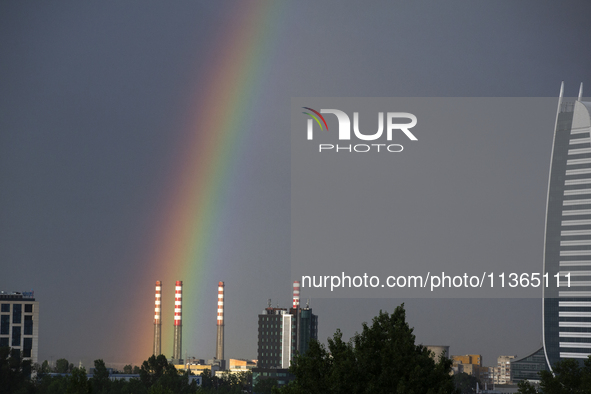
(567, 247)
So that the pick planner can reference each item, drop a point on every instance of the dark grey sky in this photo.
(93, 101)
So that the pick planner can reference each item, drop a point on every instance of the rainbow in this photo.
(188, 237)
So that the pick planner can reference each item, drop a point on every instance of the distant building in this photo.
(475, 359)
(19, 323)
(197, 369)
(471, 364)
(527, 368)
(239, 365)
(438, 351)
(503, 370)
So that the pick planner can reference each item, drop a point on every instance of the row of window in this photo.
(271, 325)
(267, 318)
(27, 344)
(5, 325)
(16, 339)
(6, 307)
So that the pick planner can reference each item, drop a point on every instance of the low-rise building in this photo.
(198, 369)
(237, 366)
(471, 364)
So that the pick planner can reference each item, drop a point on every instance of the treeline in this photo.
(382, 359)
(156, 376)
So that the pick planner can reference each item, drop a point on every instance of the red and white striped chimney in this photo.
(178, 294)
(157, 320)
(296, 294)
(219, 352)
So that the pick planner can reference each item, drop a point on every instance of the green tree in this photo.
(52, 385)
(382, 359)
(265, 386)
(78, 382)
(100, 379)
(526, 387)
(62, 366)
(154, 368)
(136, 370)
(159, 389)
(14, 372)
(135, 386)
(157, 371)
(127, 369)
(466, 384)
(568, 376)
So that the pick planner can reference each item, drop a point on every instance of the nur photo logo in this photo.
(393, 126)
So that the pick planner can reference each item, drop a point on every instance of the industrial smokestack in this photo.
(296, 294)
(157, 320)
(296, 311)
(178, 326)
(219, 350)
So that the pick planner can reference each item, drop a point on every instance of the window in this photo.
(27, 346)
(5, 324)
(17, 311)
(4, 342)
(28, 308)
(16, 336)
(28, 325)
(5, 307)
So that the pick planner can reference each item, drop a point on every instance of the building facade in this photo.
(502, 373)
(528, 367)
(438, 351)
(567, 246)
(19, 323)
(274, 348)
(283, 332)
(470, 364)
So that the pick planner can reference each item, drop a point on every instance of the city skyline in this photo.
(143, 143)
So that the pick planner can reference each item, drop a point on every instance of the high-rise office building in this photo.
(284, 332)
(19, 323)
(277, 339)
(567, 248)
(307, 325)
